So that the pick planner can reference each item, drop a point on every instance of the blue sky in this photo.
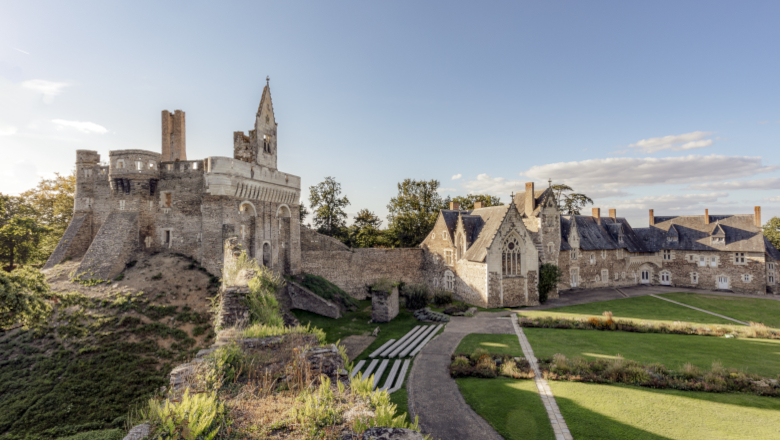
(666, 105)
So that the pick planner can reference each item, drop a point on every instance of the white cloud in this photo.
(20, 50)
(457, 176)
(773, 199)
(621, 172)
(496, 186)
(670, 202)
(771, 183)
(49, 89)
(7, 130)
(678, 142)
(84, 127)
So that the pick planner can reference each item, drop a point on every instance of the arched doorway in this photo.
(283, 215)
(247, 219)
(267, 254)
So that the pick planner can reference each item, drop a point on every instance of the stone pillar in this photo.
(384, 305)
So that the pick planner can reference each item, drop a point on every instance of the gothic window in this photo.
(667, 254)
(266, 144)
(510, 258)
(449, 281)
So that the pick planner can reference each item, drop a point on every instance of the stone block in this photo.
(384, 305)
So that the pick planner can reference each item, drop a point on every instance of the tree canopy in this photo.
(569, 202)
(22, 297)
(467, 202)
(365, 231)
(328, 207)
(413, 211)
(772, 231)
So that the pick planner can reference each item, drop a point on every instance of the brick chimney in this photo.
(454, 206)
(477, 205)
(706, 216)
(613, 214)
(597, 215)
(652, 218)
(757, 217)
(530, 200)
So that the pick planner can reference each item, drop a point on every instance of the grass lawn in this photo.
(356, 323)
(498, 344)
(642, 308)
(766, 311)
(759, 356)
(512, 407)
(625, 412)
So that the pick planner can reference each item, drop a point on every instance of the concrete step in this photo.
(391, 376)
(380, 371)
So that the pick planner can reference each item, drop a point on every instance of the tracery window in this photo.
(510, 258)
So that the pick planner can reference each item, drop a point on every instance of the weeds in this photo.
(199, 416)
(442, 297)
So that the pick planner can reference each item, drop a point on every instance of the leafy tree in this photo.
(772, 231)
(413, 212)
(549, 277)
(467, 202)
(570, 202)
(51, 202)
(328, 207)
(19, 240)
(302, 213)
(22, 294)
(365, 231)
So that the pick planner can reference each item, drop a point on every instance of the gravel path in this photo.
(433, 394)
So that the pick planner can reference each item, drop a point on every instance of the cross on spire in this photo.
(267, 80)
(549, 182)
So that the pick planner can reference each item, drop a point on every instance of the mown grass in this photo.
(759, 356)
(765, 311)
(641, 308)
(497, 344)
(511, 407)
(624, 412)
(357, 323)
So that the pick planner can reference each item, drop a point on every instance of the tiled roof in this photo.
(540, 195)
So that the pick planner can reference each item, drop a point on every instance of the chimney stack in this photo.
(613, 214)
(174, 146)
(455, 206)
(706, 216)
(757, 217)
(530, 199)
(477, 205)
(652, 218)
(597, 215)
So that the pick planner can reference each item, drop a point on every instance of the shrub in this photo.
(22, 294)
(549, 277)
(261, 300)
(478, 354)
(198, 416)
(382, 285)
(417, 296)
(690, 371)
(442, 297)
(461, 361)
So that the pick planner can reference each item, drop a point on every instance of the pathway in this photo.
(553, 412)
(433, 394)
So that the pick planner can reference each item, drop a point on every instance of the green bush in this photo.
(382, 285)
(479, 354)
(442, 297)
(22, 294)
(261, 300)
(198, 416)
(417, 296)
(549, 277)
(264, 331)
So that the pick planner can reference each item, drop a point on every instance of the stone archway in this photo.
(283, 215)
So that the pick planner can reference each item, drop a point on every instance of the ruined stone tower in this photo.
(260, 146)
(174, 146)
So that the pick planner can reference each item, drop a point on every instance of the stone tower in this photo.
(174, 147)
(260, 146)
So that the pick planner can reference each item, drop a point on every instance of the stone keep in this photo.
(146, 202)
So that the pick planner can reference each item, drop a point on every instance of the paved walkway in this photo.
(553, 412)
(701, 310)
(433, 394)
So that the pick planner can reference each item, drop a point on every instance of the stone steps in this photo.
(380, 371)
(417, 339)
(400, 341)
(381, 349)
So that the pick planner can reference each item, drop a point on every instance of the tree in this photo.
(364, 231)
(302, 213)
(51, 202)
(19, 239)
(413, 212)
(772, 231)
(549, 277)
(570, 202)
(22, 298)
(329, 215)
(467, 202)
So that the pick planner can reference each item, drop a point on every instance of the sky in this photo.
(672, 106)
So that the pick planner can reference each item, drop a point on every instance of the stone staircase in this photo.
(74, 242)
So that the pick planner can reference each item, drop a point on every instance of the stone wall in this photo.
(112, 249)
(302, 298)
(75, 242)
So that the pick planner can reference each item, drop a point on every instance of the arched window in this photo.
(449, 281)
(510, 258)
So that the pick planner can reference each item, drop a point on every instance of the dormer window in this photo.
(718, 240)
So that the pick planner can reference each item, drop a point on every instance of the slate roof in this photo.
(541, 196)
(605, 236)
(694, 235)
(451, 220)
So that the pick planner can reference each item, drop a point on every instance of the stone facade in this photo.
(184, 206)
